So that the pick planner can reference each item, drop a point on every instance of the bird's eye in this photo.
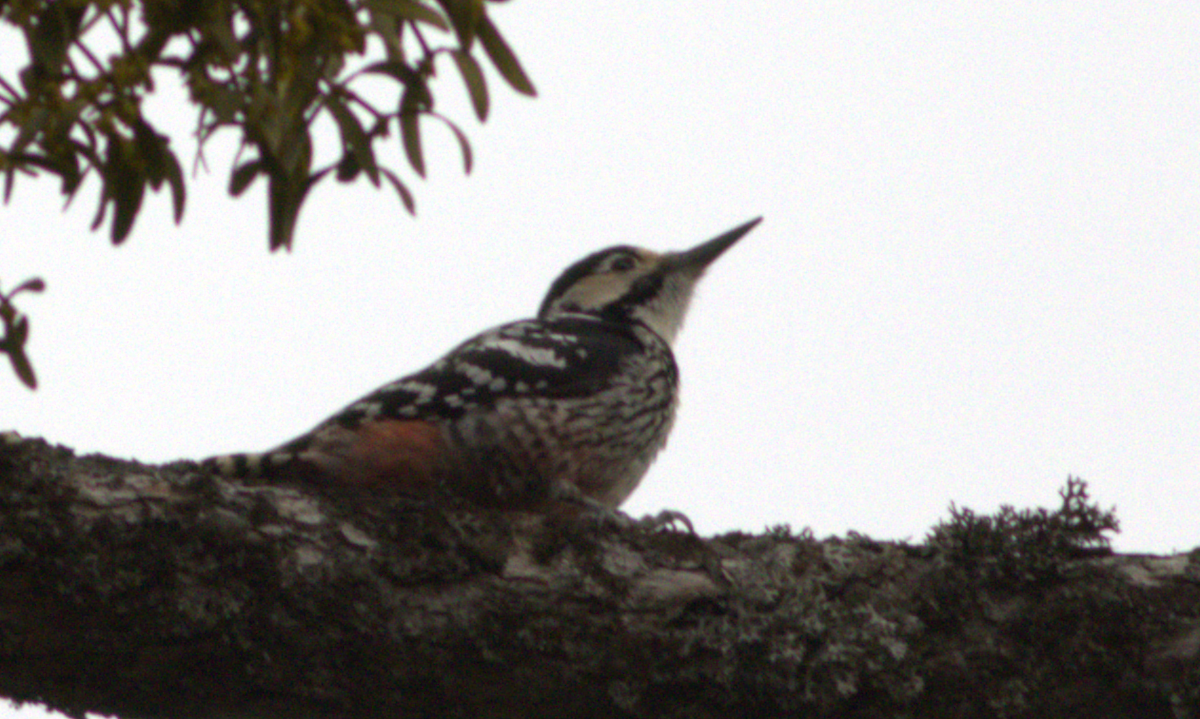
(622, 263)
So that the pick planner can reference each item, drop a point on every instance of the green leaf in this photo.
(409, 10)
(161, 164)
(124, 187)
(354, 137)
(462, 141)
(284, 209)
(101, 213)
(314, 178)
(392, 68)
(20, 332)
(286, 194)
(21, 366)
(57, 27)
(127, 202)
(178, 189)
(410, 134)
(288, 184)
(347, 167)
(243, 175)
(503, 58)
(224, 103)
(35, 284)
(476, 85)
(36, 123)
(464, 16)
(16, 333)
(68, 171)
(405, 196)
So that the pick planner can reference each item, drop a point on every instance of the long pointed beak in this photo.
(703, 255)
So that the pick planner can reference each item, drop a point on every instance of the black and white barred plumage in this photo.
(580, 399)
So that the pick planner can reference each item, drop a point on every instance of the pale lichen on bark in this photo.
(162, 591)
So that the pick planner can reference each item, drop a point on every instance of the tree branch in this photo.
(161, 591)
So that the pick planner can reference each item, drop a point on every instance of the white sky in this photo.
(979, 269)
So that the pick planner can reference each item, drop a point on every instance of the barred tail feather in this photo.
(250, 464)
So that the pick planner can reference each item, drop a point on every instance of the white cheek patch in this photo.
(594, 292)
(664, 314)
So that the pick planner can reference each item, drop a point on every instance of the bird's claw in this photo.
(666, 519)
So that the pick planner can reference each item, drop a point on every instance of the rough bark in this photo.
(161, 591)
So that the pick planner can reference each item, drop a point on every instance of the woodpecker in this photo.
(574, 403)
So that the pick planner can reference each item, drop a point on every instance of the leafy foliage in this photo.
(16, 331)
(267, 67)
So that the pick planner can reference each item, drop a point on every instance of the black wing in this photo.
(564, 357)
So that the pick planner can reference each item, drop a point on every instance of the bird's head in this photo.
(630, 284)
